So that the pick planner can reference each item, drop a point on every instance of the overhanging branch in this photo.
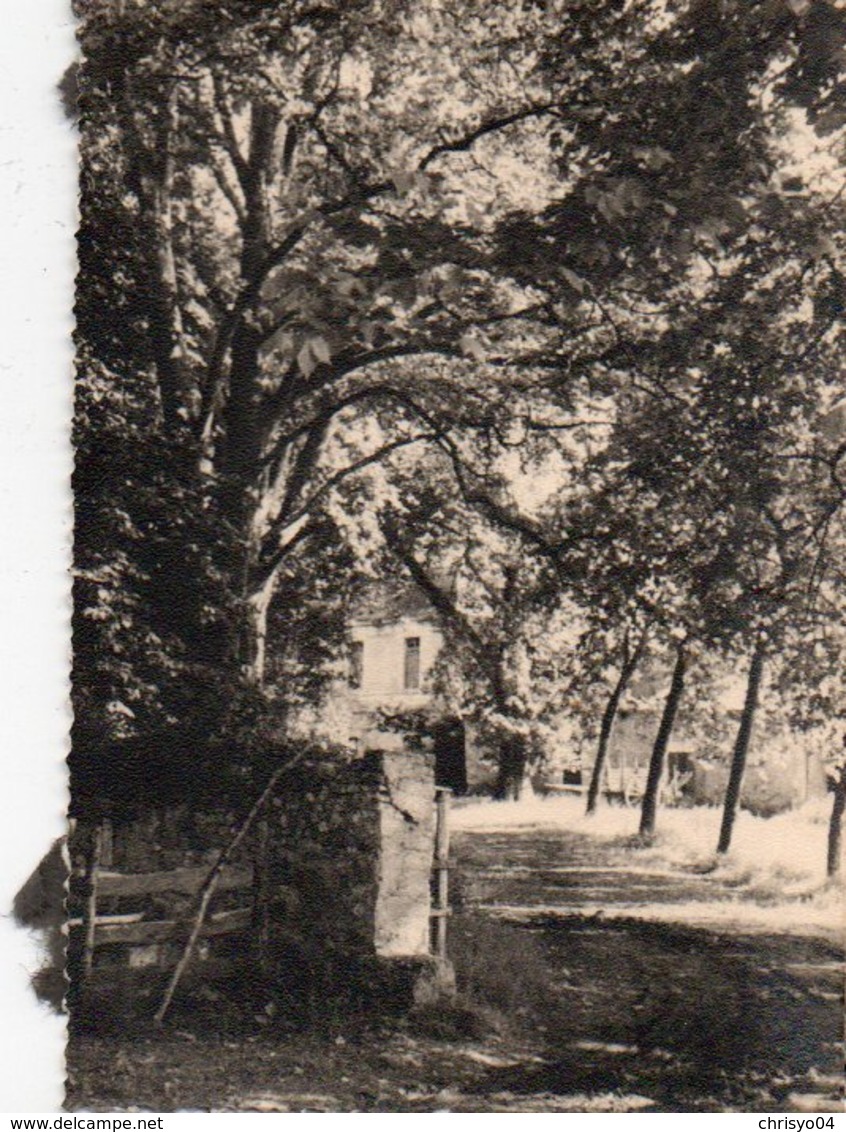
(291, 518)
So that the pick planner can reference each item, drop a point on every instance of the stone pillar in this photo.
(406, 851)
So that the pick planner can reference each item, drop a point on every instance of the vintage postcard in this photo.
(458, 597)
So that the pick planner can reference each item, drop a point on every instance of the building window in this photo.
(356, 664)
(411, 680)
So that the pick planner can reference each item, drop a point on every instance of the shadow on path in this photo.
(693, 1019)
(690, 1019)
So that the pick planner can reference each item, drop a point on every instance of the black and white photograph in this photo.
(458, 671)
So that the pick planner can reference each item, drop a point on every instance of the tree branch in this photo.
(277, 528)
(440, 600)
(466, 141)
(227, 134)
(228, 191)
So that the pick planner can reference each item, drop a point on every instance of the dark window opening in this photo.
(450, 755)
(411, 680)
(356, 664)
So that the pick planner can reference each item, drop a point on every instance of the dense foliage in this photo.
(551, 290)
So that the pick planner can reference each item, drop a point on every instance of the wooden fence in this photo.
(97, 883)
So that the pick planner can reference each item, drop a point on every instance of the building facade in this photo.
(394, 640)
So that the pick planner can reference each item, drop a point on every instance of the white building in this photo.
(394, 639)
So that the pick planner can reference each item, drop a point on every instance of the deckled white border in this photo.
(37, 221)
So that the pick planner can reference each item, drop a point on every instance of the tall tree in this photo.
(285, 208)
(630, 657)
(288, 179)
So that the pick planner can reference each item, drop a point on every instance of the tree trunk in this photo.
(741, 748)
(240, 450)
(659, 750)
(835, 826)
(239, 505)
(166, 330)
(608, 716)
(253, 644)
(512, 769)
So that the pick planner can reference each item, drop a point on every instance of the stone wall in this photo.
(349, 875)
(342, 857)
(165, 838)
(321, 862)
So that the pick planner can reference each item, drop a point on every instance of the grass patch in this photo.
(502, 971)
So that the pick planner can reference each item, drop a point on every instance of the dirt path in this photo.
(567, 871)
(643, 1004)
(598, 995)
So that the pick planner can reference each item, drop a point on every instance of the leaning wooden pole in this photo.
(261, 897)
(211, 881)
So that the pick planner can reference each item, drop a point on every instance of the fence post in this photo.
(89, 912)
(441, 910)
(261, 896)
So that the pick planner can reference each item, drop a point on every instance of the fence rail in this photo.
(95, 883)
(118, 929)
(185, 880)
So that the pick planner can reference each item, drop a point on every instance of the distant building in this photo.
(394, 639)
(781, 772)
